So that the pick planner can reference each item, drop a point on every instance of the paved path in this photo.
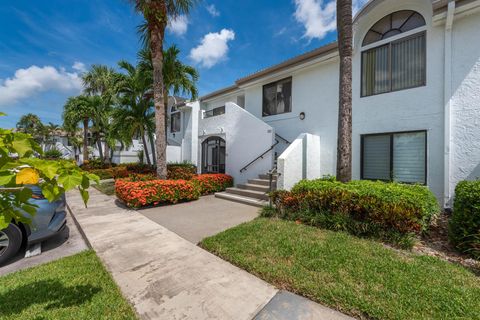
(199, 219)
(167, 277)
(66, 243)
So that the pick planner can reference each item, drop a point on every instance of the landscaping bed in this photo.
(76, 287)
(107, 188)
(357, 276)
(141, 191)
(393, 212)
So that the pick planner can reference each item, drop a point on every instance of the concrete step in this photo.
(255, 187)
(263, 182)
(248, 193)
(241, 199)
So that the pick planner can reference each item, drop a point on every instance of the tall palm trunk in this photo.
(99, 146)
(165, 103)
(107, 153)
(344, 139)
(145, 149)
(152, 144)
(156, 46)
(85, 139)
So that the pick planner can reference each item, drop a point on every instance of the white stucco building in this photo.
(416, 105)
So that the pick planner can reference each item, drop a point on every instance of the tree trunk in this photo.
(145, 149)
(152, 144)
(344, 139)
(165, 102)
(85, 140)
(107, 153)
(100, 148)
(157, 33)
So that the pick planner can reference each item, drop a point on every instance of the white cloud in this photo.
(213, 48)
(179, 25)
(79, 66)
(28, 82)
(213, 10)
(319, 16)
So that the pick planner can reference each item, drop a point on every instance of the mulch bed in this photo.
(435, 243)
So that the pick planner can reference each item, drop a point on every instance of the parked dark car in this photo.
(49, 220)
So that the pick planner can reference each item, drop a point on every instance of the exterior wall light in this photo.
(302, 115)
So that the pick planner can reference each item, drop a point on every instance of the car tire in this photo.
(12, 235)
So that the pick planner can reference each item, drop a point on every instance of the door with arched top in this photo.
(213, 155)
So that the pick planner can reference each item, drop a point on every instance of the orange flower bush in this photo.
(138, 194)
(144, 190)
(211, 183)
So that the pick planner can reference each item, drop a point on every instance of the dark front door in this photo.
(213, 155)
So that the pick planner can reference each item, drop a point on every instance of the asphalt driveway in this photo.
(199, 219)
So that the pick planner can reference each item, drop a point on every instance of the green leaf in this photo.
(85, 182)
(50, 191)
(4, 221)
(6, 177)
(2, 114)
(48, 168)
(22, 146)
(30, 209)
(70, 180)
(24, 195)
(93, 177)
(85, 196)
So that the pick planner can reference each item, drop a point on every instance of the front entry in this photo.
(213, 155)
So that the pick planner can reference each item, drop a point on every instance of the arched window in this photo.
(394, 24)
(175, 120)
(398, 64)
(213, 155)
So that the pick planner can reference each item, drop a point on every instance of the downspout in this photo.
(448, 100)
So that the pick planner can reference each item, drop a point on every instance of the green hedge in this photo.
(388, 211)
(464, 226)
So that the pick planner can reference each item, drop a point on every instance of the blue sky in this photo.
(45, 45)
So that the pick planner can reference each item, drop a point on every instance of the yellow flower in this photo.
(27, 176)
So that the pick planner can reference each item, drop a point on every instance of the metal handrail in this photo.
(260, 156)
(271, 173)
(282, 138)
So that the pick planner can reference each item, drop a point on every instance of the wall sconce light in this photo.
(302, 115)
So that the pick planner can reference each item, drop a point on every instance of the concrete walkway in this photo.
(167, 277)
(199, 219)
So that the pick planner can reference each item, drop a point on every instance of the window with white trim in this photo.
(396, 65)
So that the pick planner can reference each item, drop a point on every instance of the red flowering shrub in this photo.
(211, 183)
(138, 194)
(182, 171)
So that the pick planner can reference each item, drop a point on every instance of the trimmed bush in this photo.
(464, 225)
(364, 208)
(211, 183)
(52, 154)
(138, 194)
(182, 171)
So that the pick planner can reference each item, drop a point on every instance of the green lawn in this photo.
(107, 187)
(357, 276)
(76, 287)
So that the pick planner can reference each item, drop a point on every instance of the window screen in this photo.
(277, 97)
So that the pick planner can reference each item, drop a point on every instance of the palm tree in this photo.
(81, 109)
(178, 78)
(134, 115)
(30, 123)
(156, 14)
(344, 139)
(101, 80)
